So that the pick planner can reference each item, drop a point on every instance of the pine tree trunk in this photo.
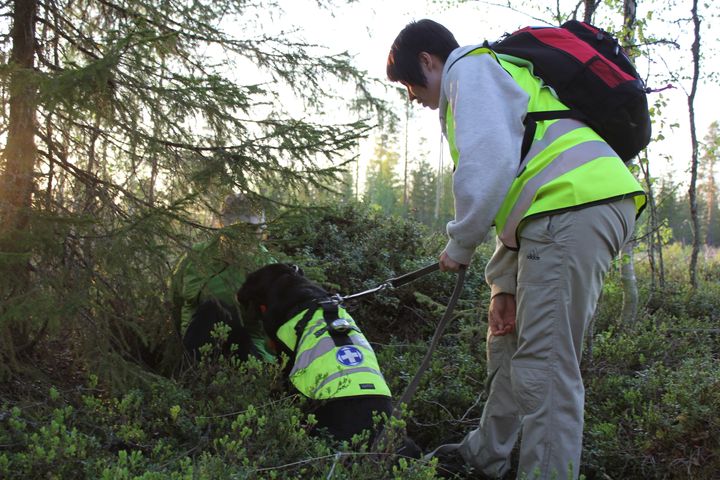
(16, 184)
(710, 209)
(20, 153)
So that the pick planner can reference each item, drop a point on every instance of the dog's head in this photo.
(272, 293)
(259, 285)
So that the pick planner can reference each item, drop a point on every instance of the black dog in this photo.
(280, 294)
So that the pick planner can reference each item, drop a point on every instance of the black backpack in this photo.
(592, 75)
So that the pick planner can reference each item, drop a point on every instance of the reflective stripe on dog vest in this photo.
(323, 369)
(567, 166)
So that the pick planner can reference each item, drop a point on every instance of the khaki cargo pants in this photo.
(537, 390)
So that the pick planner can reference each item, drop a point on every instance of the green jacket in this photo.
(216, 269)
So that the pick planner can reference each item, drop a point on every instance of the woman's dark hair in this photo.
(421, 36)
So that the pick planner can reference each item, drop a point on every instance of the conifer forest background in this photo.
(125, 123)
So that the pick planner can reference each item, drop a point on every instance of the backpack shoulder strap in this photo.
(485, 46)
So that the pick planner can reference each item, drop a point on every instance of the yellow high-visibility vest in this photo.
(327, 367)
(568, 165)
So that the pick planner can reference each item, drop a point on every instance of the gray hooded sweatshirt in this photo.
(488, 109)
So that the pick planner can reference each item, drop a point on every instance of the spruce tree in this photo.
(128, 121)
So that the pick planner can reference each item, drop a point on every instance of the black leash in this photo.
(444, 321)
(412, 276)
(410, 390)
(396, 282)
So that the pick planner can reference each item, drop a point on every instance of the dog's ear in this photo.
(251, 289)
(259, 283)
(244, 295)
(256, 285)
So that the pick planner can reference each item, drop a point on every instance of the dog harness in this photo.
(333, 359)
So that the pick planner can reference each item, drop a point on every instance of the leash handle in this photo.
(412, 276)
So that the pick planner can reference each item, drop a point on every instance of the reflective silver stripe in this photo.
(360, 341)
(568, 160)
(553, 132)
(344, 373)
(323, 346)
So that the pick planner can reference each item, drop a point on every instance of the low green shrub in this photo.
(652, 398)
(652, 386)
(220, 420)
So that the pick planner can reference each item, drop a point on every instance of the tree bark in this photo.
(652, 246)
(16, 184)
(20, 153)
(710, 208)
(589, 10)
(692, 192)
(629, 282)
(627, 264)
(709, 159)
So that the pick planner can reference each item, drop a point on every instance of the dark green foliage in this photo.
(219, 421)
(652, 388)
(422, 196)
(350, 248)
(652, 398)
(147, 115)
